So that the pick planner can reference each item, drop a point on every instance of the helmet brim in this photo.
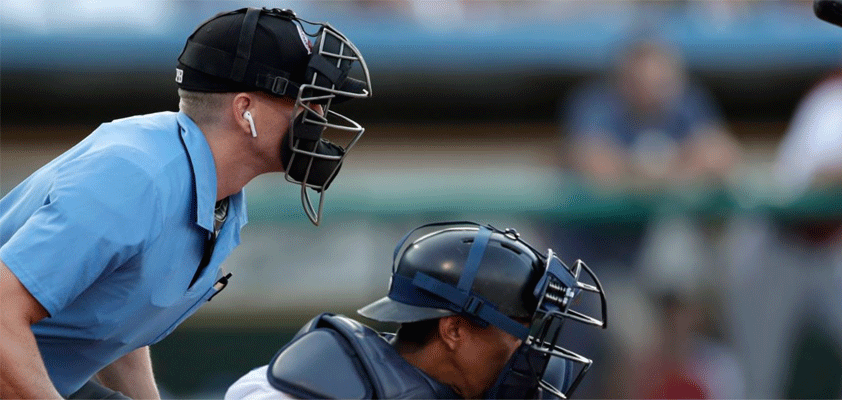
(388, 310)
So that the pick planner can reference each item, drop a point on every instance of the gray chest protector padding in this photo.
(337, 357)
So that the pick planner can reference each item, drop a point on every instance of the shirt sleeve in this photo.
(255, 386)
(99, 213)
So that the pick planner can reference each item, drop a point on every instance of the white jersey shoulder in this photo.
(255, 386)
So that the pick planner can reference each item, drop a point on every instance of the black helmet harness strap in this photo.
(241, 61)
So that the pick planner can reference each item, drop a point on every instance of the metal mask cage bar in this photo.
(557, 295)
(331, 92)
(314, 212)
(352, 126)
(584, 362)
(561, 285)
(551, 349)
(328, 29)
(313, 93)
(552, 389)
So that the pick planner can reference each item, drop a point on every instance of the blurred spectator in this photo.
(811, 151)
(647, 123)
(786, 273)
(687, 359)
(646, 126)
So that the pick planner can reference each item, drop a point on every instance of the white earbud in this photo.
(247, 115)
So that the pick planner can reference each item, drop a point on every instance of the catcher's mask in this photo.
(491, 277)
(270, 50)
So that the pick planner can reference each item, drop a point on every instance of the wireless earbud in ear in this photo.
(247, 116)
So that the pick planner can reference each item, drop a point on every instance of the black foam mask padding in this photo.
(306, 137)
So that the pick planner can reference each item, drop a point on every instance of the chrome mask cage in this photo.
(312, 94)
(559, 290)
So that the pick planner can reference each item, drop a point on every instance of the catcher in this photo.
(480, 314)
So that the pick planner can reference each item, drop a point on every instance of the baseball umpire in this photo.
(107, 248)
(481, 313)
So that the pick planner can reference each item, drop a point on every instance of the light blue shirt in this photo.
(108, 236)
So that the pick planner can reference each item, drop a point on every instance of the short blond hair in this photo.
(203, 107)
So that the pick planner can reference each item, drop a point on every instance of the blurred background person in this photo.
(810, 153)
(647, 123)
(646, 128)
(790, 265)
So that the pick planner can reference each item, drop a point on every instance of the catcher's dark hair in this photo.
(416, 334)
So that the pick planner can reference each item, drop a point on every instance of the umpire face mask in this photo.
(309, 159)
(540, 368)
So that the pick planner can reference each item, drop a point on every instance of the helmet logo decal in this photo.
(304, 39)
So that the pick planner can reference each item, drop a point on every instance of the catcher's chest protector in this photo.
(337, 357)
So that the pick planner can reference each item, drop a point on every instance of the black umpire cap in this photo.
(250, 49)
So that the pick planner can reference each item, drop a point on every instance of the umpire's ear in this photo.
(241, 103)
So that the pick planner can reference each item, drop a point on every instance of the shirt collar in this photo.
(204, 169)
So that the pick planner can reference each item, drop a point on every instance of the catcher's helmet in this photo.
(492, 276)
(254, 49)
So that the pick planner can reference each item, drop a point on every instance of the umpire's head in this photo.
(261, 74)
